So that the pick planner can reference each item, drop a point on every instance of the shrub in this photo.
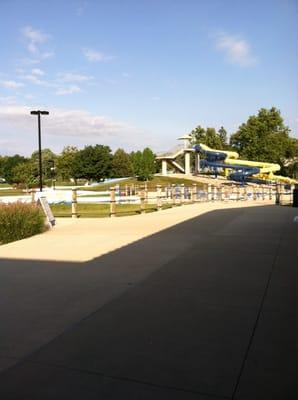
(19, 221)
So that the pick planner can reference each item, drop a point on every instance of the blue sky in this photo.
(141, 73)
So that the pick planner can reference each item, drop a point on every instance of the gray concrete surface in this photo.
(205, 309)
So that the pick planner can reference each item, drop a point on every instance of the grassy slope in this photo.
(99, 210)
(12, 192)
(157, 180)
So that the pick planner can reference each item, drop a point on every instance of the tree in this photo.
(48, 161)
(223, 135)
(1, 166)
(121, 164)
(207, 136)
(212, 139)
(263, 137)
(8, 164)
(93, 163)
(147, 165)
(144, 166)
(26, 173)
(198, 135)
(136, 160)
(65, 164)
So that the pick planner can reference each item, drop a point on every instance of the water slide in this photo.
(236, 169)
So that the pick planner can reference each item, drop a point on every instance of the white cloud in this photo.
(38, 58)
(30, 61)
(47, 54)
(9, 146)
(35, 38)
(63, 127)
(61, 122)
(94, 55)
(33, 79)
(68, 90)
(236, 50)
(8, 100)
(11, 84)
(29, 96)
(37, 81)
(37, 71)
(71, 77)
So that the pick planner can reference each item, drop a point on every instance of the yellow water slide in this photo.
(266, 170)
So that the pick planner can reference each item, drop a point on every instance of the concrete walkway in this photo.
(202, 304)
(83, 239)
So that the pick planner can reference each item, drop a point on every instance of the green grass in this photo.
(157, 180)
(100, 210)
(12, 192)
(67, 183)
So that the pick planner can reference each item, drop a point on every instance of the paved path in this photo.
(203, 309)
(83, 239)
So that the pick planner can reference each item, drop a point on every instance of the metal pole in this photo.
(39, 154)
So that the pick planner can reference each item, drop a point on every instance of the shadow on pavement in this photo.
(205, 309)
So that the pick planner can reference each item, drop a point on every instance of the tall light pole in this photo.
(39, 113)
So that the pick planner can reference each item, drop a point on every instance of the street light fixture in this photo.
(39, 113)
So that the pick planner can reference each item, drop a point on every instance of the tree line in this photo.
(93, 163)
(263, 137)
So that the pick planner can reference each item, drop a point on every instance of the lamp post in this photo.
(39, 113)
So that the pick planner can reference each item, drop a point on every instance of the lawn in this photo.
(12, 192)
(5, 185)
(100, 210)
(151, 185)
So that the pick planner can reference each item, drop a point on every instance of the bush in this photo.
(19, 221)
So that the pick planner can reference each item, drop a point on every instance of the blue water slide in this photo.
(215, 159)
(244, 173)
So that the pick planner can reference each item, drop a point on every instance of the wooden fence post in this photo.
(277, 194)
(215, 193)
(32, 196)
(282, 194)
(74, 203)
(270, 192)
(167, 193)
(254, 193)
(219, 193)
(225, 193)
(263, 192)
(112, 202)
(209, 192)
(142, 199)
(194, 193)
(173, 194)
(245, 193)
(237, 193)
(231, 192)
(182, 194)
(158, 197)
